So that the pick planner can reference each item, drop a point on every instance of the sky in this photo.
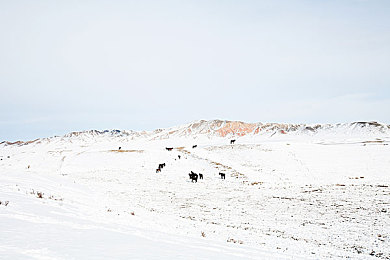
(140, 65)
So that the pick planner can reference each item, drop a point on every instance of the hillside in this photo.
(226, 129)
(291, 191)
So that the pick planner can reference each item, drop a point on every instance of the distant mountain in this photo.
(224, 129)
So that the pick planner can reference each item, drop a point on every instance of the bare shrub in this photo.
(5, 203)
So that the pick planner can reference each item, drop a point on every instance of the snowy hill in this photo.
(291, 191)
(226, 129)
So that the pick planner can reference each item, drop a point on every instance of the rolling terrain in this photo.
(291, 191)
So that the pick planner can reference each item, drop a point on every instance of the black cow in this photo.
(119, 148)
(179, 156)
(169, 148)
(222, 175)
(161, 165)
(232, 141)
(193, 177)
(200, 176)
(194, 146)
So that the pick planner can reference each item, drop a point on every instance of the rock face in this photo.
(217, 127)
(224, 128)
(237, 128)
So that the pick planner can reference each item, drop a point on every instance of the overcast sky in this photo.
(77, 65)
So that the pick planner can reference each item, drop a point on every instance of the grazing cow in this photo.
(232, 141)
(169, 148)
(200, 176)
(119, 148)
(179, 156)
(193, 176)
(158, 170)
(222, 175)
(194, 146)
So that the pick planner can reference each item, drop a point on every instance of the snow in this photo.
(296, 195)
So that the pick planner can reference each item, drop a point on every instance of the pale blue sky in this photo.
(77, 65)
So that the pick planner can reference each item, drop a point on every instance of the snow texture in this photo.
(291, 192)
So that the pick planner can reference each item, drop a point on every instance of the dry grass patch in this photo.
(231, 240)
(257, 183)
(373, 142)
(127, 151)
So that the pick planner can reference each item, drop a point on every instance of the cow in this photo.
(158, 170)
(161, 165)
(232, 141)
(193, 176)
(169, 148)
(194, 146)
(222, 175)
(119, 148)
(179, 156)
(200, 176)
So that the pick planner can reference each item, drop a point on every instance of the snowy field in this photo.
(284, 196)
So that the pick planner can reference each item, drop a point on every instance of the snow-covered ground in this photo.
(285, 196)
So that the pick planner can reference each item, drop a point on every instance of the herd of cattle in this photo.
(193, 176)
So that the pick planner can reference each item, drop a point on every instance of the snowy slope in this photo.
(291, 191)
(224, 129)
